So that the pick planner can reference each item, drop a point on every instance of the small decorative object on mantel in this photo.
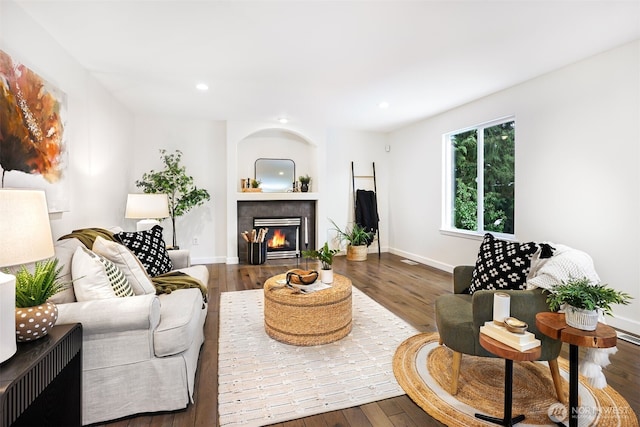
(34, 315)
(304, 183)
(254, 188)
(584, 300)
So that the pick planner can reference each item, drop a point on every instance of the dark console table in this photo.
(41, 385)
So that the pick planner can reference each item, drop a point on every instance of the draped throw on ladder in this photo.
(366, 212)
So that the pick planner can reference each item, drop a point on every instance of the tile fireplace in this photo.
(285, 220)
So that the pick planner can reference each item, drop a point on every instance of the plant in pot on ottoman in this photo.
(584, 300)
(325, 256)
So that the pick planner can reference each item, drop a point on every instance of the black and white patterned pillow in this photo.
(150, 248)
(502, 264)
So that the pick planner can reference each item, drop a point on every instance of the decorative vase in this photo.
(304, 187)
(326, 276)
(357, 253)
(579, 318)
(35, 322)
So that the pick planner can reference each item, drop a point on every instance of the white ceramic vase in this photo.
(326, 276)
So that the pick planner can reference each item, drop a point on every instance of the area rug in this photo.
(262, 381)
(423, 369)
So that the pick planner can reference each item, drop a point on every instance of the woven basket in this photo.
(357, 253)
(579, 318)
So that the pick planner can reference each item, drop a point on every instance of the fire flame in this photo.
(278, 240)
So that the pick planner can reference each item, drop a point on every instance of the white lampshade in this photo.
(25, 236)
(147, 207)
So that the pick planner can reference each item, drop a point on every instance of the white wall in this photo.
(363, 148)
(98, 128)
(203, 146)
(577, 179)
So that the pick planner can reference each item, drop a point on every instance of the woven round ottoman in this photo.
(307, 319)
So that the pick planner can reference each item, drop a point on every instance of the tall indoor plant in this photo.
(179, 187)
(357, 239)
(325, 256)
(584, 299)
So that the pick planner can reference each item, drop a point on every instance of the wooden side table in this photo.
(555, 326)
(41, 385)
(307, 319)
(509, 354)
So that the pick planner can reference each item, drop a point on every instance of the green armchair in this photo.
(459, 317)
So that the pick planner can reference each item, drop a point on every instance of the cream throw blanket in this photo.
(565, 264)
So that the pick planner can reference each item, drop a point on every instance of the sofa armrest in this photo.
(462, 275)
(140, 312)
(180, 258)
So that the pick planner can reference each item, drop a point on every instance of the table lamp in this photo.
(147, 207)
(25, 236)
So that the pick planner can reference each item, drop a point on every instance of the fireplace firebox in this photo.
(283, 237)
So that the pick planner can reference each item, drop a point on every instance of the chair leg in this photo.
(557, 380)
(455, 372)
(440, 341)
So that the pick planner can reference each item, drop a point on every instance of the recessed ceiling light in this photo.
(383, 105)
(201, 86)
(283, 120)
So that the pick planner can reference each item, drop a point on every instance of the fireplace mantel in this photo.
(257, 197)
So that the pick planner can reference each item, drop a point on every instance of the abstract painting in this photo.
(33, 150)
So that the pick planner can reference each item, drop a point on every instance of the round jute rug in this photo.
(423, 369)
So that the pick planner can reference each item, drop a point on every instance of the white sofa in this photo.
(140, 353)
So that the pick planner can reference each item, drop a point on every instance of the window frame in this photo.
(448, 189)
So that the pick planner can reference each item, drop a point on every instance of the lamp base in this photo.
(7, 316)
(146, 224)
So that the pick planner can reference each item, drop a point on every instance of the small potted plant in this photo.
(357, 238)
(304, 183)
(584, 300)
(325, 256)
(35, 316)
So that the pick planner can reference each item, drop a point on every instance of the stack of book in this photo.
(521, 342)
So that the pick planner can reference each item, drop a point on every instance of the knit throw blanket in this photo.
(565, 264)
(164, 283)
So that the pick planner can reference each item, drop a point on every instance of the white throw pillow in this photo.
(95, 277)
(128, 263)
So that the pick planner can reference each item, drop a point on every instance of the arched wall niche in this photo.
(276, 143)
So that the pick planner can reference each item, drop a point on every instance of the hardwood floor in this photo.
(407, 290)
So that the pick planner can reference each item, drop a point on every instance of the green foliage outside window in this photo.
(498, 174)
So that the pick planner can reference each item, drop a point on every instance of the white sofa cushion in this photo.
(64, 250)
(128, 263)
(95, 277)
(179, 321)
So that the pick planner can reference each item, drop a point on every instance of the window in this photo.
(480, 179)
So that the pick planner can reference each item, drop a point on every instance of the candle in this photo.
(306, 231)
(501, 307)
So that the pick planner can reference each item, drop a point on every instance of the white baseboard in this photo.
(423, 260)
(208, 260)
(623, 324)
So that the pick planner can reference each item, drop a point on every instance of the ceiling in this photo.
(327, 63)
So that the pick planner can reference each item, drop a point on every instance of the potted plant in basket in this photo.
(32, 292)
(357, 239)
(584, 300)
(325, 256)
